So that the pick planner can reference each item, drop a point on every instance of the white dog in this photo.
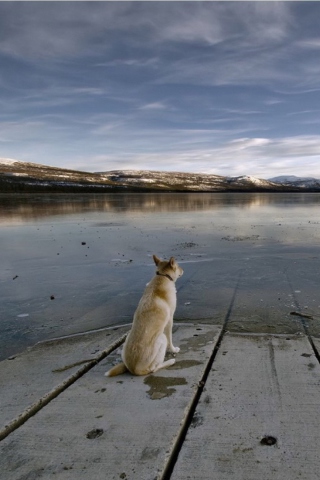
(151, 333)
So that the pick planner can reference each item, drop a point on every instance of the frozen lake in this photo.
(72, 263)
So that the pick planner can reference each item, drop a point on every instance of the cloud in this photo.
(250, 23)
(269, 157)
(207, 86)
(65, 28)
(202, 43)
(130, 62)
(106, 127)
(312, 43)
(261, 157)
(24, 131)
(45, 29)
(154, 106)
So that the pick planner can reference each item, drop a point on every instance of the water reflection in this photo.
(21, 208)
(93, 254)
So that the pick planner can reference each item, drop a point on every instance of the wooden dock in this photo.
(233, 407)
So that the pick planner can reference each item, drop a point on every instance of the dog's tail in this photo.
(117, 370)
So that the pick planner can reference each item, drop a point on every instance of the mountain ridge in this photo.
(302, 182)
(18, 176)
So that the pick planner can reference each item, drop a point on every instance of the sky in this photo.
(227, 88)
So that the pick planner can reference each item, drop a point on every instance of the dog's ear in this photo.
(172, 262)
(156, 259)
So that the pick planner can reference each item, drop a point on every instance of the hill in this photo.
(17, 176)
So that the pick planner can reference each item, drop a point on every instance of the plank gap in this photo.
(48, 397)
(177, 446)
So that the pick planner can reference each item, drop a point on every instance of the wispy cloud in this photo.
(25, 131)
(257, 156)
(154, 106)
(312, 43)
(130, 62)
(222, 87)
(250, 23)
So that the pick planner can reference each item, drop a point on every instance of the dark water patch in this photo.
(161, 387)
(150, 453)
(197, 341)
(185, 364)
(95, 433)
(311, 366)
(240, 238)
(108, 224)
(197, 420)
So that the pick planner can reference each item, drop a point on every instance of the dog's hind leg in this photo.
(165, 364)
(158, 361)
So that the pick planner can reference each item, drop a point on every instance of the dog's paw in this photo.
(175, 349)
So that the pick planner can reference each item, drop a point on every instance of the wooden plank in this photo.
(259, 388)
(28, 377)
(131, 421)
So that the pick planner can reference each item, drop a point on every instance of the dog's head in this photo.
(168, 267)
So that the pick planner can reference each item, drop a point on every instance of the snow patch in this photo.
(249, 179)
(8, 161)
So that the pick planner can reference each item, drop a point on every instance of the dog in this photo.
(151, 334)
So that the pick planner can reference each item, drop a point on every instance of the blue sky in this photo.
(230, 88)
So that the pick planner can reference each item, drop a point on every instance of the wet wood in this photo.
(258, 416)
(37, 372)
(112, 428)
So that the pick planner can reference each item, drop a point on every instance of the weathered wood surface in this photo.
(111, 428)
(316, 342)
(259, 387)
(28, 377)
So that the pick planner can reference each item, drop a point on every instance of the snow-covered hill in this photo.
(249, 180)
(301, 182)
(7, 161)
(25, 176)
(194, 182)
(17, 176)
(166, 180)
